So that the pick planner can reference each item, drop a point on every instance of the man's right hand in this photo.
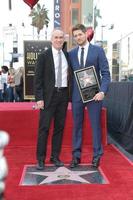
(40, 104)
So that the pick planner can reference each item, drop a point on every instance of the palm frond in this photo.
(39, 17)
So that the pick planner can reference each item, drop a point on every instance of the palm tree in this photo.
(39, 18)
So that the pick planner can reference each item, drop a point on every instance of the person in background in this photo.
(92, 55)
(51, 94)
(1, 88)
(4, 83)
(18, 79)
(11, 82)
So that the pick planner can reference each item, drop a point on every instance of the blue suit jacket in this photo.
(96, 57)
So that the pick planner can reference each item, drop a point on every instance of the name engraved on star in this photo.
(65, 176)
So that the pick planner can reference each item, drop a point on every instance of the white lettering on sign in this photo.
(57, 15)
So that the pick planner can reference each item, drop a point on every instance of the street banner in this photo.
(57, 13)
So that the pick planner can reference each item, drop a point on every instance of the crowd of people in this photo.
(11, 84)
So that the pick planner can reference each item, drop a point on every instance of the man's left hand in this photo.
(99, 96)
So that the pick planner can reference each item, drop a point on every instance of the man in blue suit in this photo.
(93, 56)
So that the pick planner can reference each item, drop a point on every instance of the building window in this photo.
(75, 1)
(75, 16)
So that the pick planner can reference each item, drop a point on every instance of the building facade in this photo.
(122, 58)
(74, 12)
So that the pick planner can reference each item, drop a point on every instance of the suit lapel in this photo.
(75, 58)
(51, 60)
(87, 63)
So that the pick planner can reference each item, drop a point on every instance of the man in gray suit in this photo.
(51, 94)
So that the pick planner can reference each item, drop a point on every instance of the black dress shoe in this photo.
(40, 165)
(75, 162)
(56, 162)
(96, 162)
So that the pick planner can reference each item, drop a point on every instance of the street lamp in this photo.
(109, 27)
(102, 27)
(10, 4)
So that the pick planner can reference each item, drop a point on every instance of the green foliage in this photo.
(39, 17)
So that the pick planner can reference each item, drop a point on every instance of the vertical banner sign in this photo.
(57, 13)
(31, 51)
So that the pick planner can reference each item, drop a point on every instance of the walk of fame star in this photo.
(63, 175)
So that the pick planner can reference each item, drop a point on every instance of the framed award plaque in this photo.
(87, 82)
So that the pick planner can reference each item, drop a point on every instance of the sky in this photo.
(22, 13)
(117, 12)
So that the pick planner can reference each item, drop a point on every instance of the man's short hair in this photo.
(79, 27)
(4, 68)
(57, 29)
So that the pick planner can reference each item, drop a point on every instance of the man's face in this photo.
(57, 39)
(80, 37)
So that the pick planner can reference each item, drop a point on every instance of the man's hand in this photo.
(99, 96)
(40, 104)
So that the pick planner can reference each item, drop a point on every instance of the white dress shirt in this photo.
(64, 66)
(86, 47)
